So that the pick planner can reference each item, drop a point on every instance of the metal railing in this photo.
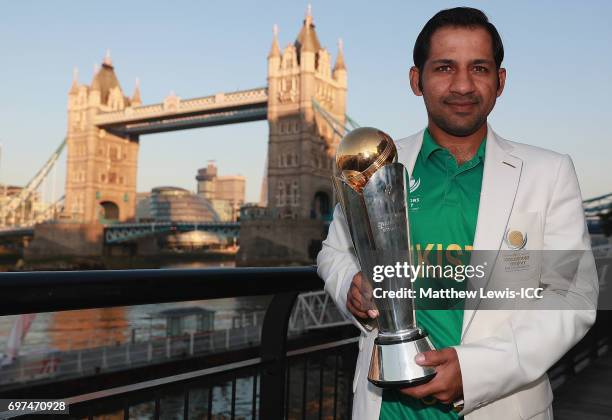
(302, 378)
(309, 376)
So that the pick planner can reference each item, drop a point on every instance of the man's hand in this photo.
(359, 298)
(447, 385)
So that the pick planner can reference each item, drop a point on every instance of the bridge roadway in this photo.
(174, 113)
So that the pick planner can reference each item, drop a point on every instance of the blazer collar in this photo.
(501, 175)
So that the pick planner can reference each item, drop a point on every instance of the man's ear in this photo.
(415, 83)
(501, 80)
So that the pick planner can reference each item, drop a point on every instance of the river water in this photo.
(71, 330)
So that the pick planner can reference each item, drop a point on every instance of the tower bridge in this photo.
(105, 127)
(304, 102)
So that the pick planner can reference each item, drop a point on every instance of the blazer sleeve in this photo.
(531, 340)
(337, 265)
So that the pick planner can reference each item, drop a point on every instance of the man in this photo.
(474, 188)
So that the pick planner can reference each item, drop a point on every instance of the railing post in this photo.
(274, 356)
(104, 362)
(128, 360)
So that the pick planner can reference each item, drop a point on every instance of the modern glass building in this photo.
(173, 204)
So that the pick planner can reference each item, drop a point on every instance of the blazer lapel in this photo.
(501, 175)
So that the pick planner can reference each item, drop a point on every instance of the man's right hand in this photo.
(359, 298)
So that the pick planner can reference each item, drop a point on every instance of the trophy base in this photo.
(393, 366)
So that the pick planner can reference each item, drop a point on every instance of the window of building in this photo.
(280, 198)
(114, 153)
(295, 193)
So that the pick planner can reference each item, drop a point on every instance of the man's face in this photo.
(459, 79)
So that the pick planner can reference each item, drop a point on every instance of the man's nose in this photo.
(462, 82)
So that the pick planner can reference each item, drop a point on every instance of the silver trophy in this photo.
(371, 187)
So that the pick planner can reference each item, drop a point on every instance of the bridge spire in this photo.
(107, 58)
(307, 40)
(136, 101)
(74, 87)
(340, 58)
(275, 50)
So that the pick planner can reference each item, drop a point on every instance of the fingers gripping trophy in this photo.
(372, 188)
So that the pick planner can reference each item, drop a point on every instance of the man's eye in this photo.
(443, 68)
(480, 69)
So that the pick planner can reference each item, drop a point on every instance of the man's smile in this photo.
(461, 106)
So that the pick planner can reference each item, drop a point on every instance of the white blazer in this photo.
(504, 355)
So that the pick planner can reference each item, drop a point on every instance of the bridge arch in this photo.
(109, 210)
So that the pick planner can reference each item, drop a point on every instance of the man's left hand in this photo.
(447, 385)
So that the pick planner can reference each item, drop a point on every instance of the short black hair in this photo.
(464, 17)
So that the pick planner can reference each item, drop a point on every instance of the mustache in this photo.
(461, 100)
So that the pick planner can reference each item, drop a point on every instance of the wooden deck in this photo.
(588, 395)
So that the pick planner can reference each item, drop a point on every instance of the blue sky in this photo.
(557, 57)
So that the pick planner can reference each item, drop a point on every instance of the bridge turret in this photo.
(93, 97)
(106, 85)
(307, 44)
(339, 75)
(340, 67)
(74, 86)
(274, 66)
(275, 53)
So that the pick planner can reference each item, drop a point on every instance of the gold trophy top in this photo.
(361, 153)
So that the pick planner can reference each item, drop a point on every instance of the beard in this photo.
(454, 124)
(459, 127)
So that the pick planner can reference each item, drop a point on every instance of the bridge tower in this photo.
(301, 144)
(101, 167)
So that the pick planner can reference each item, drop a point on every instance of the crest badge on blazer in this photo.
(515, 239)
